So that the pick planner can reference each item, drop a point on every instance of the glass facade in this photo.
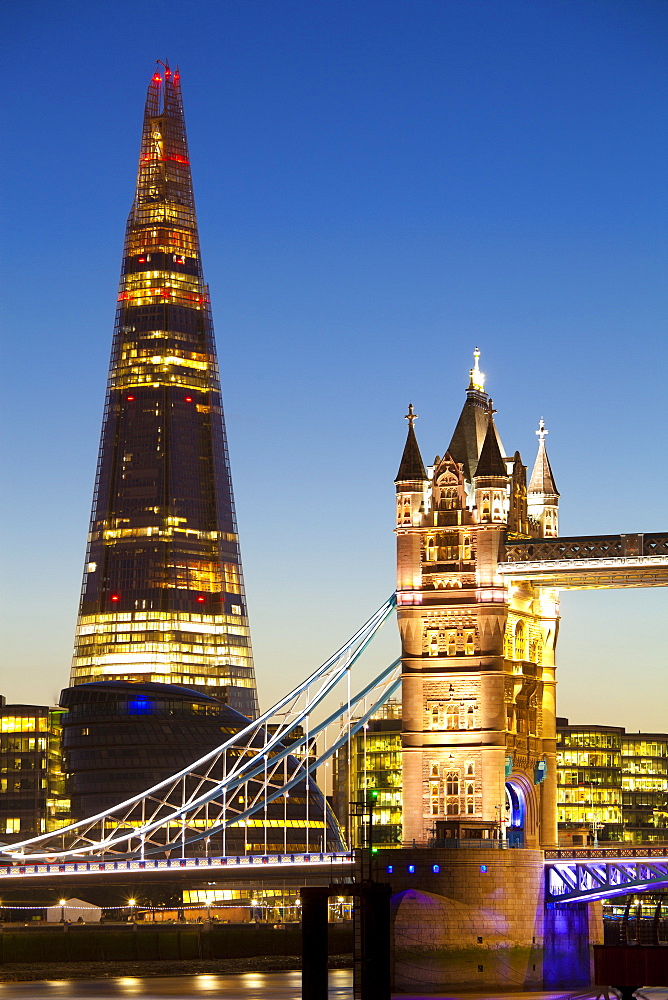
(645, 787)
(32, 782)
(374, 766)
(163, 596)
(611, 783)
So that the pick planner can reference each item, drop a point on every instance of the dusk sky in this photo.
(381, 186)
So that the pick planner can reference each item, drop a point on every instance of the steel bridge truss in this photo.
(582, 876)
(240, 779)
(594, 562)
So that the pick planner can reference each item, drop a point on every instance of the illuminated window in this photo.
(452, 783)
(452, 717)
(434, 796)
(470, 718)
(12, 824)
(520, 641)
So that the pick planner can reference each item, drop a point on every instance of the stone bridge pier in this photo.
(475, 918)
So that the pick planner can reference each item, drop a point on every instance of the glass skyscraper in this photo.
(163, 595)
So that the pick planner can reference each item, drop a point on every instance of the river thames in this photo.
(245, 986)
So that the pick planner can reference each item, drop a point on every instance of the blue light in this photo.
(389, 869)
(436, 869)
(483, 869)
(139, 705)
(411, 869)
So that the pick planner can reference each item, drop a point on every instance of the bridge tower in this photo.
(478, 743)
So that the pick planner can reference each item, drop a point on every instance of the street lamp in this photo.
(62, 910)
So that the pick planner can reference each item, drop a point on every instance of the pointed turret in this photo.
(491, 461)
(543, 496)
(491, 476)
(542, 478)
(469, 436)
(411, 467)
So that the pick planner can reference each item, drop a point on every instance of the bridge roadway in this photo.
(317, 868)
(571, 876)
(589, 562)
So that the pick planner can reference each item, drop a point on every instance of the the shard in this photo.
(163, 595)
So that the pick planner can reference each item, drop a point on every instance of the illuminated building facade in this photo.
(163, 595)
(373, 765)
(645, 787)
(478, 656)
(589, 781)
(612, 785)
(32, 782)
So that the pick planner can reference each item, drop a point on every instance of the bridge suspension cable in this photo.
(253, 768)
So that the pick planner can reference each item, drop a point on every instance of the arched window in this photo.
(469, 789)
(520, 641)
(508, 644)
(469, 647)
(470, 718)
(452, 717)
(452, 643)
(469, 769)
(452, 783)
(434, 770)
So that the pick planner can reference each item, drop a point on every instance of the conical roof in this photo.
(491, 461)
(411, 467)
(542, 478)
(469, 435)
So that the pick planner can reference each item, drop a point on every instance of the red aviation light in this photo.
(130, 399)
(141, 260)
(156, 78)
(115, 597)
(188, 399)
(201, 599)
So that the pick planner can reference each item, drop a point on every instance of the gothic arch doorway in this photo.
(515, 814)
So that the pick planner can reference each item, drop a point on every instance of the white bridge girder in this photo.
(591, 874)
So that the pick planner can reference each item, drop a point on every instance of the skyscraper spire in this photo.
(163, 596)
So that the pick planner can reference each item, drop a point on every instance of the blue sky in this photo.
(381, 186)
